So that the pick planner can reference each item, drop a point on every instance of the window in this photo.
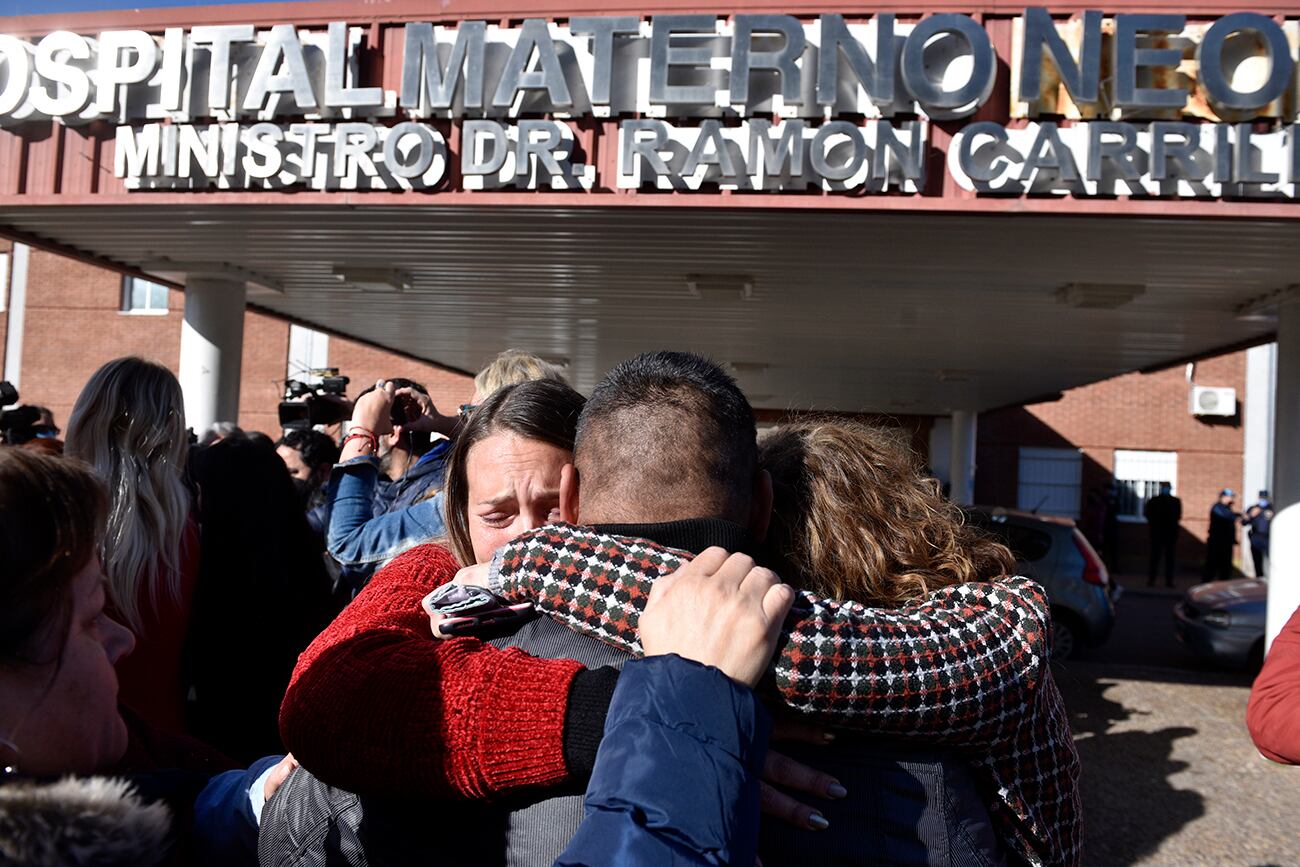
(143, 296)
(1139, 476)
(1050, 481)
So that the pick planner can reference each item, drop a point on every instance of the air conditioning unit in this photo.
(1214, 401)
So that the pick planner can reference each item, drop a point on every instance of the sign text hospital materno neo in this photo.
(691, 102)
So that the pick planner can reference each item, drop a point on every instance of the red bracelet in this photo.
(365, 430)
(369, 438)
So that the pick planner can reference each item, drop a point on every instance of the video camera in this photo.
(17, 425)
(306, 405)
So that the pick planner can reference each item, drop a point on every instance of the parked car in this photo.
(1223, 621)
(1054, 553)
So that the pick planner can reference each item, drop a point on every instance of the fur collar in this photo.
(80, 821)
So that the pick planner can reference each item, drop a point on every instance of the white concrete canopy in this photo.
(892, 312)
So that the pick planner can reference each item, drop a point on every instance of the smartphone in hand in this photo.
(473, 624)
(470, 610)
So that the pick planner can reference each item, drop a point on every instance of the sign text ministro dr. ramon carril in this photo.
(698, 102)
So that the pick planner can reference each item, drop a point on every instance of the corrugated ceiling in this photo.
(849, 311)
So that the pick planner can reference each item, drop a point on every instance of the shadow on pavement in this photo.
(1130, 807)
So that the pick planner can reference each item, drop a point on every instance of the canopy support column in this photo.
(961, 462)
(212, 344)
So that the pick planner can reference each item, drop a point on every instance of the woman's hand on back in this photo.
(469, 576)
(719, 610)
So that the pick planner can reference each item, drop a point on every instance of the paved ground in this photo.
(1170, 774)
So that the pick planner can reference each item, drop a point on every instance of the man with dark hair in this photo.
(669, 436)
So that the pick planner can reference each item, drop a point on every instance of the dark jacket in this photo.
(916, 805)
(1163, 512)
(165, 816)
(1223, 525)
(677, 775)
(224, 833)
(1259, 518)
(263, 594)
(427, 475)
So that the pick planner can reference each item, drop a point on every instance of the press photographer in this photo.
(32, 426)
(305, 405)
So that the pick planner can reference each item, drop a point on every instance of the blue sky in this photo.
(36, 7)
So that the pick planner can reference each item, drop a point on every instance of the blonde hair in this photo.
(511, 368)
(129, 425)
(855, 518)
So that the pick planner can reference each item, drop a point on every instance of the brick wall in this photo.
(266, 350)
(917, 427)
(364, 364)
(74, 324)
(1134, 411)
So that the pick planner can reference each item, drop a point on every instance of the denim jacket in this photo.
(361, 541)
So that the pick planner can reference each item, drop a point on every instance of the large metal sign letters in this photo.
(1130, 104)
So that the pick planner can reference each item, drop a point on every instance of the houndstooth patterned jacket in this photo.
(966, 666)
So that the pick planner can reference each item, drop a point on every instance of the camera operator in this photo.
(389, 466)
(410, 461)
(307, 405)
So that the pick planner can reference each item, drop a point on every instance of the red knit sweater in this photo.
(1273, 715)
(378, 705)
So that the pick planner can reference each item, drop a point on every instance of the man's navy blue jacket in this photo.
(677, 775)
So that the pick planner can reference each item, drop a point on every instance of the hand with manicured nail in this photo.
(781, 770)
(719, 609)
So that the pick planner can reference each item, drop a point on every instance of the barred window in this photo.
(1139, 475)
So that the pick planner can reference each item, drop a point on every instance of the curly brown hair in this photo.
(856, 518)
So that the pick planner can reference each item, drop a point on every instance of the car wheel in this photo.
(1065, 637)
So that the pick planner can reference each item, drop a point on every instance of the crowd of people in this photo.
(540, 629)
